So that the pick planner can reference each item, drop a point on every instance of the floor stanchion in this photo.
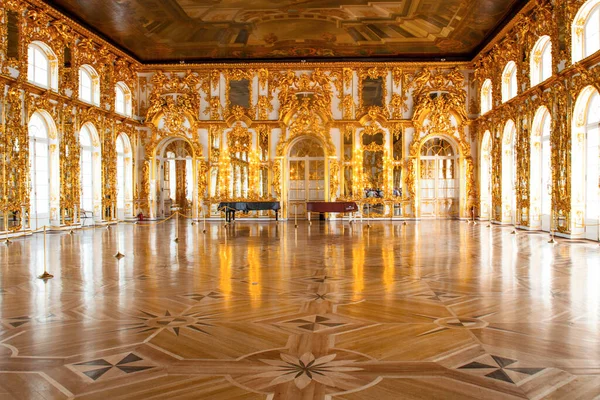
(176, 227)
(7, 240)
(118, 255)
(204, 220)
(552, 230)
(45, 275)
(295, 215)
(514, 221)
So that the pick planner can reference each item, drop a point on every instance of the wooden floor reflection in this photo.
(260, 310)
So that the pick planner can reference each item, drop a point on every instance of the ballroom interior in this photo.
(300, 199)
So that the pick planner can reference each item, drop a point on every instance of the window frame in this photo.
(37, 47)
(509, 82)
(94, 91)
(127, 99)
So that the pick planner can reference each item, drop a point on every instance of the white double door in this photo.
(439, 187)
(306, 183)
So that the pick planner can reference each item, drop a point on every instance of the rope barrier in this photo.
(153, 223)
(92, 227)
(186, 216)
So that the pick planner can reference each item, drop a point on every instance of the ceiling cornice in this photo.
(84, 30)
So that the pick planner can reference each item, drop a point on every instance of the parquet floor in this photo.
(430, 310)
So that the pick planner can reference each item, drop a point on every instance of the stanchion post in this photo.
(295, 216)
(176, 227)
(118, 255)
(514, 221)
(45, 275)
(227, 216)
(204, 220)
(368, 215)
(552, 227)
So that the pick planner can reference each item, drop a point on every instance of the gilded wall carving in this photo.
(557, 94)
(319, 100)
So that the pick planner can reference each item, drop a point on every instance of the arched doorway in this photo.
(485, 179)
(439, 183)
(306, 175)
(509, 174)
(176, 177)
(585, 165)
(540, 175)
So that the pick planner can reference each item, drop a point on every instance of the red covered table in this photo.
(331, 207)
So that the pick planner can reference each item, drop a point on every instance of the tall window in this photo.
(486, 175)
(89, 85)
(509, 81)
(585, 165)
(87, 169)
(39, 172)
(42, 65)
(585, 32)
(540, 171)
(541, 61)
(486, 96)
(592, 167)
(591, 36)
(122, 99)
(509, 173)
(120, 173)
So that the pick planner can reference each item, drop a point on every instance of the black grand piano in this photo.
(231, 207)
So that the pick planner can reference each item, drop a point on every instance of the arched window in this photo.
(509, 173)
(592, 168)
(541, 61)
(509, 81)
(91, 175)
(122, 99)
(87, 187)
(89, 85)
(585, 31)
(39, 168)
(124, 177)
(42, 65)
(486, 96)
(540, 171)
(585, 164)
(486, 176)
(120, 147)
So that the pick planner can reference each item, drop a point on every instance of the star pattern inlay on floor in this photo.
(328, 311)
(110, 367)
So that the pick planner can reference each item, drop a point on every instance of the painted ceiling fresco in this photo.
(208, 30)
